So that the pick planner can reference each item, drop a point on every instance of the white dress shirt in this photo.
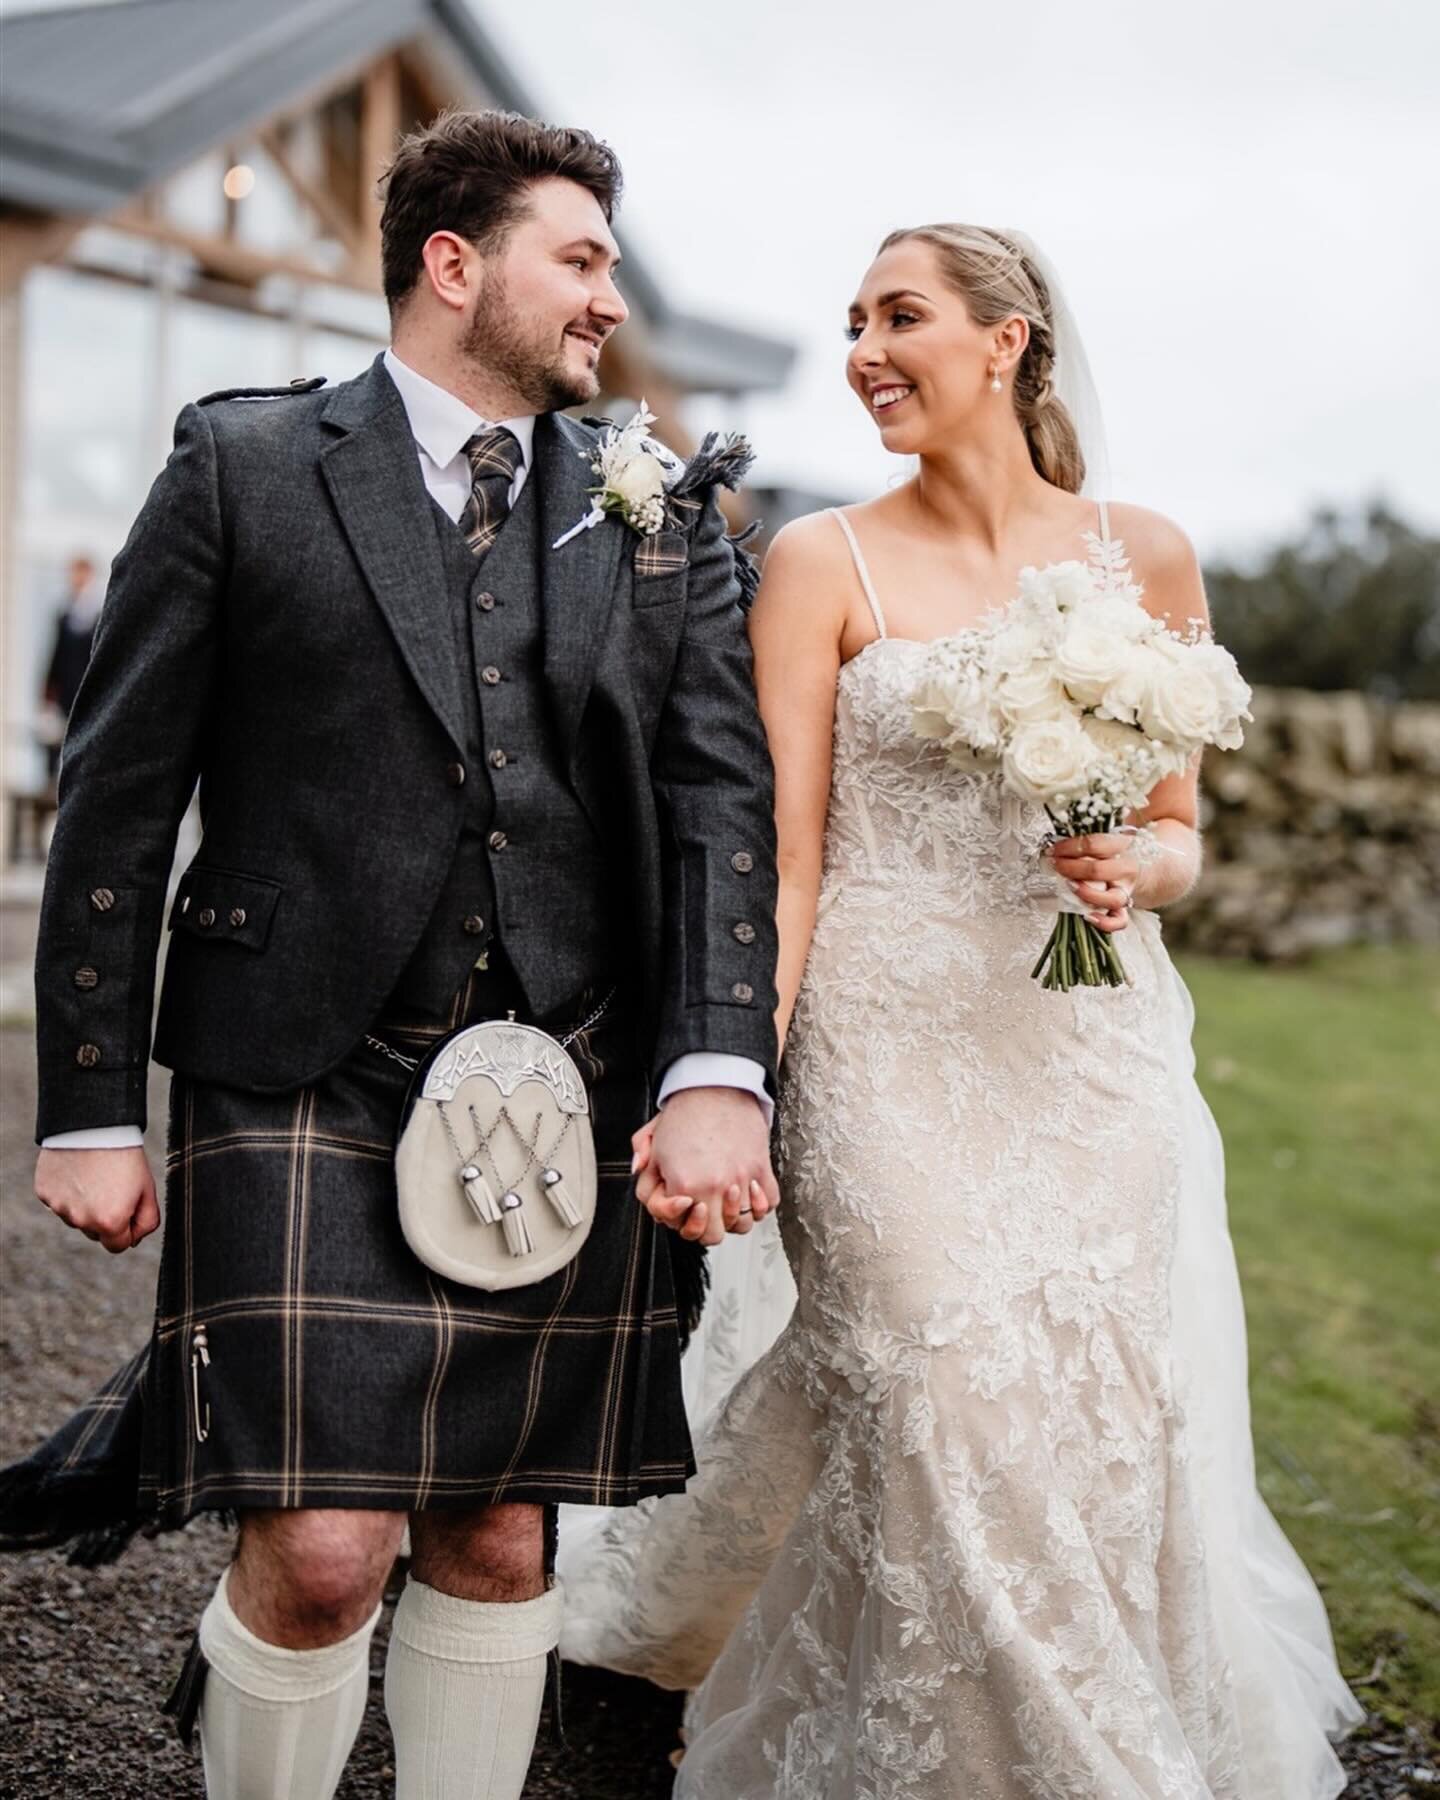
(442, 425)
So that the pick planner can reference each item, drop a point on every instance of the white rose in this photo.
(1031, 694)
(1014, 644)
(1128, 691)
(1232, 691)
(640, 480)
(1049, 761)
(1091, 656)
(1071, 583)
(1181, 706)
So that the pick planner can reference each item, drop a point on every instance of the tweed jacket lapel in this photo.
(373, 473)
(577, 583)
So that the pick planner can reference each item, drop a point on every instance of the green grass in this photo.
(1324, 1080)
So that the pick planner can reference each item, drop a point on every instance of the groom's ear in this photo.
(452, 269)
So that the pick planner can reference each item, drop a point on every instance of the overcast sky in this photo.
(1240, 195)
(1241, 200)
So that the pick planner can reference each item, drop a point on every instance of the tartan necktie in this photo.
(494, 455)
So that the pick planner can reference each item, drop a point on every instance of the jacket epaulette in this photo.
(299, 386)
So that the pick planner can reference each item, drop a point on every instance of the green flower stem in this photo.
(1078, 954)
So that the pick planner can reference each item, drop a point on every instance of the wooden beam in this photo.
(326, 207)
(28, 238)
(240, 263)
(379, 133)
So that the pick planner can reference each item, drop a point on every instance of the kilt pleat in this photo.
(303, 1356)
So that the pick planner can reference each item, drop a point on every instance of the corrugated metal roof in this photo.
(100, 101)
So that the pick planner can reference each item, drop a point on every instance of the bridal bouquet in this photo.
(1083, 701)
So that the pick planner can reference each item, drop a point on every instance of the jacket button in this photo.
(87, 977)
(455, 774)
(205, 917)
(474, 925)
(237, 916)
(743, 992)
(744, 932)
(498, 759)
(486, 602)
(490, 676)
(88, 1056)
(742, 862)
(102, 899)
(498, 840)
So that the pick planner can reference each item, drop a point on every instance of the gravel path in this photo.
(86, 1656)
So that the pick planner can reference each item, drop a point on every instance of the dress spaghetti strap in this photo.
(1104, 521)
(860, 569)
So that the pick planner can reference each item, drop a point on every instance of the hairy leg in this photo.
(487, 1553)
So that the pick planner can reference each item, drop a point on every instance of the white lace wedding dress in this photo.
(969, 1530)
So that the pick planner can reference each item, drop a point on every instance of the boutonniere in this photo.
(636, 474)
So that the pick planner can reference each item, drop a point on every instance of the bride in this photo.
(983, 1521)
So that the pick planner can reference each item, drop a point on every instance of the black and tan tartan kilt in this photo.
(303, 1357)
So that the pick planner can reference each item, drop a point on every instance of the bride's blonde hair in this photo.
(997, 280)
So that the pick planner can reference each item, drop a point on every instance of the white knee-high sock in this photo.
(277, 1724)
(464, 1680)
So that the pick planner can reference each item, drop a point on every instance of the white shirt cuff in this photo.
(97, 1137)
(710, 1068)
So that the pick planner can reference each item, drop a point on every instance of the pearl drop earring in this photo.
(996, 384)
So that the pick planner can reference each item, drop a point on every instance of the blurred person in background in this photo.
(75, 624)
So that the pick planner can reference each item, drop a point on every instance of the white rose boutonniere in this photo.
(637, 476)
(634, 472)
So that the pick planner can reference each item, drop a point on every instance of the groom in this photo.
(446, 771)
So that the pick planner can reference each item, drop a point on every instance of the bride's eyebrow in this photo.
(857, 310)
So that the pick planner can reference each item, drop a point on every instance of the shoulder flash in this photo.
(298, 386)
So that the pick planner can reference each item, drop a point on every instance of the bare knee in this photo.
(311, 1577)
(484, 1553)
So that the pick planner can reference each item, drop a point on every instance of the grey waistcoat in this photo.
(519, 802)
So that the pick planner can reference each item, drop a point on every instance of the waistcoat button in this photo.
(102, 899)
(474, 925)
(744, 932)
(88, 1056)
(742, 862)
(498, 759)
(86, 977)
(486, 602)
(490, 676)
(498, 840)
(743, 992)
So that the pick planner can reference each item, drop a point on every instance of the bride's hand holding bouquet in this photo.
(1083, 701)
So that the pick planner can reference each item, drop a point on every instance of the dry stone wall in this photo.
(1323, 830)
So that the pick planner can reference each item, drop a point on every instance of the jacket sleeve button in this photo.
(237, 916)
(205, 917)
(742, 862)
(102, 899)
(88, 1056)
(744, 932)
(455, 774)
(473, 925)
(86, 977)
(743, 992)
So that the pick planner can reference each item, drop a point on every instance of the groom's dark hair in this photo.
(469, 172)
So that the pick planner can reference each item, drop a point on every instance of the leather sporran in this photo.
(495, 1162)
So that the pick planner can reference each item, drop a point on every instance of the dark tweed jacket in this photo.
(271, 629)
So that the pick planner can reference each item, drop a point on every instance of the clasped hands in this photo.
(1102, 870)
(703, 1164)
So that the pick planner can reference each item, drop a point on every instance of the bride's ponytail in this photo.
(997, 280)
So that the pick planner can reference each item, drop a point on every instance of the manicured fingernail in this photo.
(635, 1162)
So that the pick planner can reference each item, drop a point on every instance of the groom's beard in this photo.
(498, 341)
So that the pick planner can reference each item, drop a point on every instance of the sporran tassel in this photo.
(480, 1194)
(552, 1185)
(517, 1232)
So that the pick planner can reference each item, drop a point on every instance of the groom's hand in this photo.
(109, 1195)
(704, 1164)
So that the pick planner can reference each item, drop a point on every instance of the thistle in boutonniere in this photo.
(637, 475)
